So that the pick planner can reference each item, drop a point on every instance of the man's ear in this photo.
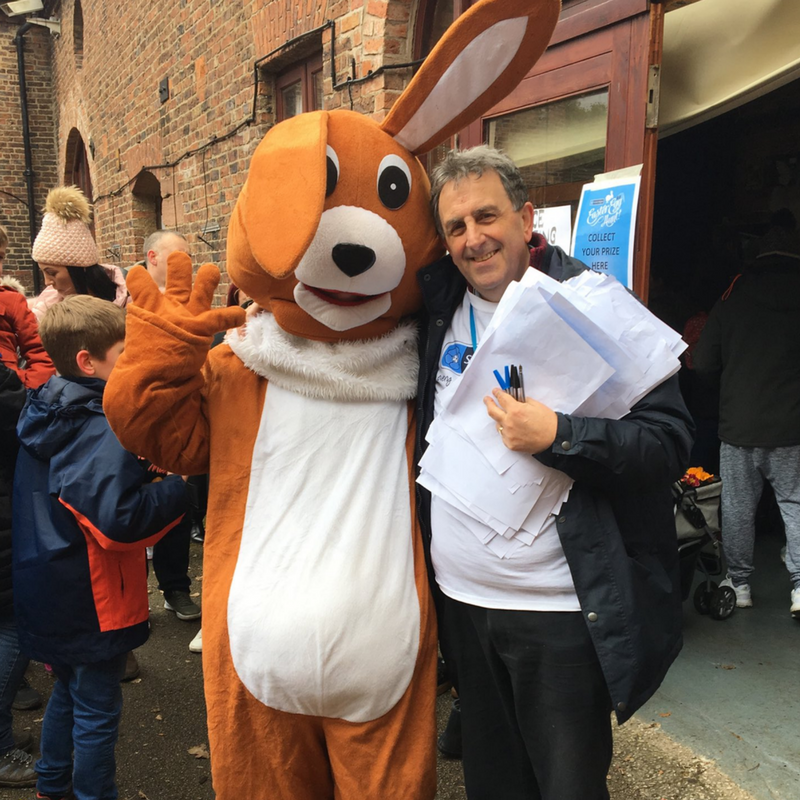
(527, 220)
(85, 363)
(150, 259)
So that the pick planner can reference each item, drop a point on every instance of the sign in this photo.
(605, 227)
(555, 224)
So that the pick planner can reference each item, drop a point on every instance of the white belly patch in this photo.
(323, 613)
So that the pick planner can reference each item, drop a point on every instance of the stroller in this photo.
(698, 531)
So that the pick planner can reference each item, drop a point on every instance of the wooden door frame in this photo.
(601, 44)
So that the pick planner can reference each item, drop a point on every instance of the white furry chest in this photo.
(323, 611)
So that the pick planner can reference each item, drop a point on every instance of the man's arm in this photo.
(648, 446)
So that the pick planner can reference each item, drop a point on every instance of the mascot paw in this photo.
(186, 306)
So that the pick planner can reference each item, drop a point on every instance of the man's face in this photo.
(157, 257)
(486, 237)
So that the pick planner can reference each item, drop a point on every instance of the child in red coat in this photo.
(19, 336)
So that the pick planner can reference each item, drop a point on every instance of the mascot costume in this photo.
(319, 635)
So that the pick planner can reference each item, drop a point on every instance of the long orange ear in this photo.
(483, 55)
(285, 194)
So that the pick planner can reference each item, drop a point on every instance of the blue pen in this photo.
(508, 379)
(503, 386)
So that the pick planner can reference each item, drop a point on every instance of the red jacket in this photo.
(18, 328)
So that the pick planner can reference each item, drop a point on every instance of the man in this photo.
(157, 248)
(542, 645)
(751, 347)
(171, 554)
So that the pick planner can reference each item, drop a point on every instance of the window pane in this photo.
(560, 144)
(316, 79)
(292, 100)
(442, 19)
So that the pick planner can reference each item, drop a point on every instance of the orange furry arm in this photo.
(154, 399)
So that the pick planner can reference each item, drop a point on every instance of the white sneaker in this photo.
(743, 597)
(795, 609)
(196, 645)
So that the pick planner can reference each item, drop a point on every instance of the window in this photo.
(299, 88)
(76, 171)
(558, 146)
(77, 34)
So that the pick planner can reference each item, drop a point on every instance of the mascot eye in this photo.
(332, 167)
(394, 182)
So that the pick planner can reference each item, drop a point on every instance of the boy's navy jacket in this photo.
(83, 511)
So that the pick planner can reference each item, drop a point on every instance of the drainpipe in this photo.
(26, 136)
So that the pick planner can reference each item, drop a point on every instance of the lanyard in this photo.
(472, 328)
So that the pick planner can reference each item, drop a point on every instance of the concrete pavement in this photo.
(164, 718)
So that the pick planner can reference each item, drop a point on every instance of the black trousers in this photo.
(535, 710)
(171, 558)
(171, 554)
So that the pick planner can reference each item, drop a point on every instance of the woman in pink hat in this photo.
(67, 254)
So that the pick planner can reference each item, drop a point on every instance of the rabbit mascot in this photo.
(319, 636)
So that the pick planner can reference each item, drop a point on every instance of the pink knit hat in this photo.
(65, 239)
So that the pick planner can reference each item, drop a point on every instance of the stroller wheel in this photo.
(702, 597)
(723, 602)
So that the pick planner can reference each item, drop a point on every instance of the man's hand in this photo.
(528, 427)
(186, 306)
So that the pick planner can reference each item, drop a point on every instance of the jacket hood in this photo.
(773, 282)
(55, 412)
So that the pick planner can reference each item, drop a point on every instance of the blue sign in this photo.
(605, 228)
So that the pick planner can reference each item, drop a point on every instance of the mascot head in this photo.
(333, 222)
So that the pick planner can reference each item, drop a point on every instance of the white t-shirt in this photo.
(534, 577)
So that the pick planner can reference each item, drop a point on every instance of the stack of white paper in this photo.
(587, 347)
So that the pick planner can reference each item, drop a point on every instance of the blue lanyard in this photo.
(472, 328)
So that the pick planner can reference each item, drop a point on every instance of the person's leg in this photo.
(783, 473)
(171, 558)
(561, 702)
(55, 764)
(97, 700)
(495, 759)
(742, 484)
(12, 670)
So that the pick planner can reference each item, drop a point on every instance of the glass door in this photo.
(587, 107)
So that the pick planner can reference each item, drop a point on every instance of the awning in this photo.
(720, 54)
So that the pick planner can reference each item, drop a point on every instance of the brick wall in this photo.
(13, 188)
(206, 49)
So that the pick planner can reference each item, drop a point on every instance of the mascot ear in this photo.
(482, 56)
(281, 208)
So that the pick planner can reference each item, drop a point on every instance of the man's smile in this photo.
(486, 257)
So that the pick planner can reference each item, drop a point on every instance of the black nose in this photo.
(353, 259)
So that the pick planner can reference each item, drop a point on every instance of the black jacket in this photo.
(751, 346)
(618, 527)
(12, 399)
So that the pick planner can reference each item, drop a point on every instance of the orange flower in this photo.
(695, 476)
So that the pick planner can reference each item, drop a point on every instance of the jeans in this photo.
(12, 669)
(535, 710)
(82, 716)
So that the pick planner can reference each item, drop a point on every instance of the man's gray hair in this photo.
(460, 164)
(154, 238)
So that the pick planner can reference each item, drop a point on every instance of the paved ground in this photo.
(164, 718)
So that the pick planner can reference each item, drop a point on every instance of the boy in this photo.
(84, 511)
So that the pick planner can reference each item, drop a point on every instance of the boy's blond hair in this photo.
(3, 237)
(80, 322)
